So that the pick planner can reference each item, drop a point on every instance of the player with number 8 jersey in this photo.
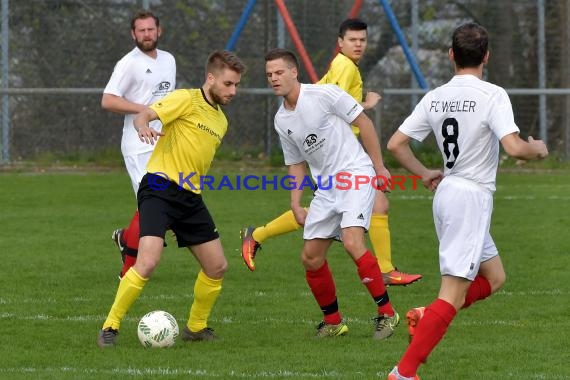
(466, 125)
(470, 118)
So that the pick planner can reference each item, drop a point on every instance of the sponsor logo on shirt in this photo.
(209, 131)
(311, 139)
(163, 86)
(313, 143)
(161, 89)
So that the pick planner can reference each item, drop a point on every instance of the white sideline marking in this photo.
(222, 320)
(4, 301)
(145, 372)
(546, 292)
(491, 322)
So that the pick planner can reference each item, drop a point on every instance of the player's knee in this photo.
(348, 244)
(146, 266)
(353, 246)
(215, 270)
(311, 263)
(381, 204)
(380, 209)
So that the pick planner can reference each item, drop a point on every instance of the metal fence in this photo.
(57, 55)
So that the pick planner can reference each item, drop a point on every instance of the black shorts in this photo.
(164, 206)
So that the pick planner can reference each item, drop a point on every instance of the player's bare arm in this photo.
(399, 146)
(146, 133)
(298, 171)
(120, 105)
(523, 150)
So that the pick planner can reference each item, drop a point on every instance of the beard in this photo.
(218, 99)
(147, 46)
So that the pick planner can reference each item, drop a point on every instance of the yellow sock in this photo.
(129, 290)
(206, 292)
(380, 237)
(283, 224)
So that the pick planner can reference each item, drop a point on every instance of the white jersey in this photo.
(468, 117)
(318, 131)
(141, 79)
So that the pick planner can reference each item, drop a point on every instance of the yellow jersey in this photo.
(193, 130)
(344, 73)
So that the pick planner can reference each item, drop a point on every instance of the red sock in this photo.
(371, 277)
(131, 240)
(131, 234)
(129, 262)
(429, 332)
(480, 289)
(322, 286)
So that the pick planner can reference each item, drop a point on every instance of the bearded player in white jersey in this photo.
(469, 117)
(143, 76)
(313, 124)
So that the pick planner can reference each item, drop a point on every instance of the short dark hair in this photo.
(284, 54)
(141, 14)
(470, 43)
(351, 24)
(223, 59)
(288, 56)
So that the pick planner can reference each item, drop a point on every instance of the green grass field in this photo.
(59, 275)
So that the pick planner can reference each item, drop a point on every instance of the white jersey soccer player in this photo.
(470, 118)
(313, 124)
(140, 79)
(468, 127)
(328, 145)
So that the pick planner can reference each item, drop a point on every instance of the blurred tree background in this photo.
(68, 44)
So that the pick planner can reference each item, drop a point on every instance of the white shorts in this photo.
(136, 167)
(462, 216)
(334, 209)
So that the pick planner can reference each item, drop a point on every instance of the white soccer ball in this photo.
(157, 329)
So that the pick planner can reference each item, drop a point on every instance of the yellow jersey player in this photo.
(344, 72)
(169, 194)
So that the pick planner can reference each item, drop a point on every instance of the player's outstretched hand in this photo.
(149, 135)
(371, 99)
(432, 178)
(539, 146)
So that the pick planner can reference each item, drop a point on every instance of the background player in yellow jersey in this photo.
(169, 194)
(343, 71)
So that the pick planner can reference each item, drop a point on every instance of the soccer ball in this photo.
(157, 329)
